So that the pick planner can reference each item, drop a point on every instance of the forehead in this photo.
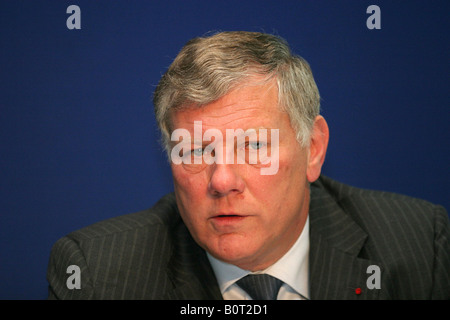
(247, 106)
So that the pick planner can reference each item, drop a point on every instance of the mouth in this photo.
(228, 221)
(228, 216)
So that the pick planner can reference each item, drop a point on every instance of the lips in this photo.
(222, 216)
(230, 215)
(227, 221)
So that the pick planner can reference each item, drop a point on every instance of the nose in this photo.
(225, 179)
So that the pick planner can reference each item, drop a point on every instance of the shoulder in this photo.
(147, 232)
(392, 221)
(113, 255)
(163, 215)
(408, 238)
(385, 205)
(388, 218)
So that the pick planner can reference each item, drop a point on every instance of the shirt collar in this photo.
(292, 268)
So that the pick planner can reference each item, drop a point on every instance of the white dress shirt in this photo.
(292, 269)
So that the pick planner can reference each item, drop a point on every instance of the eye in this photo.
(256, 145)
(198, 152)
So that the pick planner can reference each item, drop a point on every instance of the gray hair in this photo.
(207, 68)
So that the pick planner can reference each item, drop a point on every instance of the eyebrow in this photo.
(197, 141)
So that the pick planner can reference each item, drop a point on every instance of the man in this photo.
(251, 217)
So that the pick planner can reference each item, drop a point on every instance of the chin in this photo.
(233, 249)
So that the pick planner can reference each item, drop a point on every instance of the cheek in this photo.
(288, 184)
(292, 166)
(186, 182)
(267, 191)
(293, 162)
(190, 192)
(190, 199)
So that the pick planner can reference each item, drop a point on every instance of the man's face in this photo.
(236, 214)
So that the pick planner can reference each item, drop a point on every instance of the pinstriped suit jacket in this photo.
(151, 255)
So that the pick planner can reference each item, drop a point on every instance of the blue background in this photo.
(78, 139)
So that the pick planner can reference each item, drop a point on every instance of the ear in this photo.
(317, 148)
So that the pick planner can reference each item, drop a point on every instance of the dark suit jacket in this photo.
(151, 255)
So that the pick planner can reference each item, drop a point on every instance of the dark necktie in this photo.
(260, 286)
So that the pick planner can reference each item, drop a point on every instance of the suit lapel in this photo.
(190, 271)
(336, 271)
